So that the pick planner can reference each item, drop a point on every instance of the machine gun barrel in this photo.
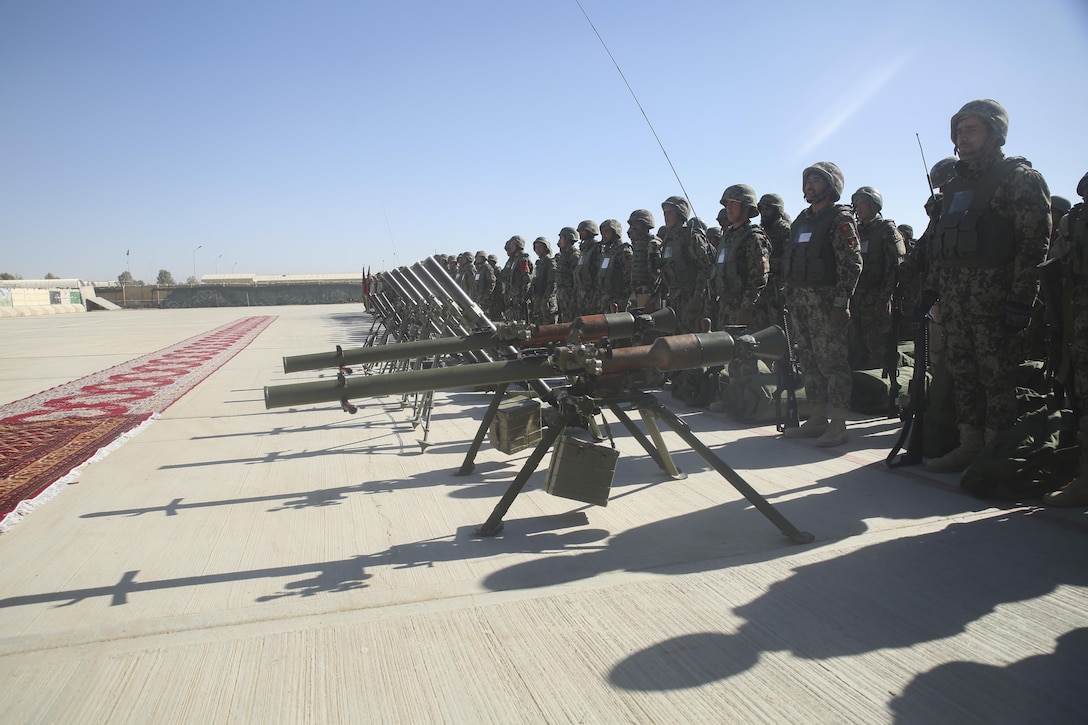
(676, 352)
(617, 325)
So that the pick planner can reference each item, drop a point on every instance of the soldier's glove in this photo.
(925, 302)
(1015, 316)
(840, 316)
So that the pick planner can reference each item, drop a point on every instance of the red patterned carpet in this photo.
(45, 437)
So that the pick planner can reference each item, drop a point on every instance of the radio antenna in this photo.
(637, 103)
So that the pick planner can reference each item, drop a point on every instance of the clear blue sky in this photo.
(330, 136)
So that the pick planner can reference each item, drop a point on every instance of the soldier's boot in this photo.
(1074, 493)
(835, 434)
(814, 427)
(959, 458)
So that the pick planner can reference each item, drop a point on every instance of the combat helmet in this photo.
(772, 200)
(871, 195)
(943, 171)
(678, 203)
(745, 195)
(1082, 187)
(518, 241)
(830, 173)
(589, 226)
(641, 215)
(714, 233)
(1060, 204)
(990, 111)
(615, 226)
(568, 233)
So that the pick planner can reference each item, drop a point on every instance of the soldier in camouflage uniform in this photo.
(543, 303)
(496, 306)
(882, 251)
(483, 283)
(776, 224)
(1074, 230)
(820, 267)
(517, 277)
(993, 233)
(566, 262)
(645, 258)
(465, 272)
(585, 274)
(614, 272)
(740, 260)
(685, 263)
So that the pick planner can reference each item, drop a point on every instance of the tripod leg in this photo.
(548, 437)
(642, 439)
(470, 457)
(753, 496)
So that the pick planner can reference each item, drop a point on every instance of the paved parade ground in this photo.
(228, 563)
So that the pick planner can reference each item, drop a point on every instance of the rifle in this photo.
(890, 371)
(913, 431)
(786, 370)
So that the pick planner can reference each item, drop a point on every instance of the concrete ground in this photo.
(235, 564)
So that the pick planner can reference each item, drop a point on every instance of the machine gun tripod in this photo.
(574, 407)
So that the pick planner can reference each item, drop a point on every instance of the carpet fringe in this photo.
(51, 491)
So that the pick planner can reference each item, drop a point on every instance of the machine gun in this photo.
(600, 377)
(913, 432)
(786, 371)
(890, 368)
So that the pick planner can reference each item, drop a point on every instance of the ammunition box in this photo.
(516, 425)
(581, 471)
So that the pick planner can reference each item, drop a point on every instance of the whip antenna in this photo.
(637, 103)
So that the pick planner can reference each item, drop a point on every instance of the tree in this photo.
(192, 281)
(50, 275)
(9, 275)
(125, 278)
(165, 279)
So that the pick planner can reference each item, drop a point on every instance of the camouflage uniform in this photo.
(585, 274)
(645, 260)
(1074, 231)
(684, 265)
(566, 262)
(614, 272)
(517, 276)
(820, 268)
(465, 272)
(483, 283)
(882, 251)
(741, 264)
(543, 306)
(776, 224)
(994, 231)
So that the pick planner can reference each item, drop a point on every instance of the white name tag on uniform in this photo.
(604, 262)
(722, 255)
(864, 246)
(804, 237)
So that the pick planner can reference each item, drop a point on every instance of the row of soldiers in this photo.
(836, 268)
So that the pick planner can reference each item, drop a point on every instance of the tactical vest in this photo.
(675, 270)
(640, 263)
(610, 271)
(970, 233)
(809, 258)
(731, 261)
(542, 275)
(585, 274)
(874, 241)
(565, 264)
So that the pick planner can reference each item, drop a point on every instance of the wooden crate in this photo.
(516, 425)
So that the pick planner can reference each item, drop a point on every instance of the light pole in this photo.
(217, 264)
(194, 259)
